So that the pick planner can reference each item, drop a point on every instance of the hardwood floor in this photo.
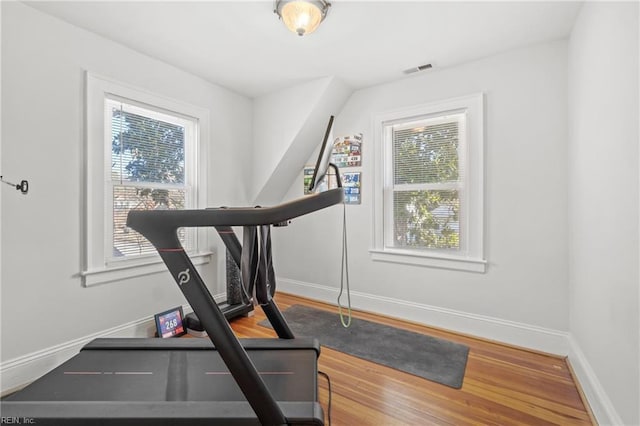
(503, 385)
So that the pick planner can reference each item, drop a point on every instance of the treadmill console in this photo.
(170, 323)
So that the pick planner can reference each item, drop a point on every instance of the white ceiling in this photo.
(242, 45)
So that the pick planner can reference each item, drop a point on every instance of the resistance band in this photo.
(344, 272)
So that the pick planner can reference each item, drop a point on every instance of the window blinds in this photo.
(427, 179)
(426, 154)
(146, 149)
(147, 171)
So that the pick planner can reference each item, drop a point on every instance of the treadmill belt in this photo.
(171, 375)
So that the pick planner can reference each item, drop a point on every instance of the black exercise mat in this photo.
(434, 359)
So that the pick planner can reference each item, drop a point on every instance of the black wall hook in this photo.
(23, 186)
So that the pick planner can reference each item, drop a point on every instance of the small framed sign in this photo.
(352, 183)
(170, 323)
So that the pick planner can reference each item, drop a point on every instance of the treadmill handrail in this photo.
(160, 221)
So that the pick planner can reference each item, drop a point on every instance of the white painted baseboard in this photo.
(601, 405)
(510, 332)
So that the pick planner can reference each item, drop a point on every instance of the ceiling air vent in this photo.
(418, 68)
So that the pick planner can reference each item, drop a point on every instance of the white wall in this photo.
(523, 295)
(603, 207)
(43, 65)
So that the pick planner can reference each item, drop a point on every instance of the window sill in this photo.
(125, 270)
(429, 260)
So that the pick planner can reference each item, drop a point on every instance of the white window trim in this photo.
(97, 265)
(472, 257)
(135, 268)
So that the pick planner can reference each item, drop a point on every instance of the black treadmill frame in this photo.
(160, 228)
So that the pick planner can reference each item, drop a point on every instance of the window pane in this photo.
(145, 149)
(126, 241)
(426, 219)
(426, 154)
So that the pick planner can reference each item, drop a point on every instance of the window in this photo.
(148, 171)
(142, 152)
(429, 186)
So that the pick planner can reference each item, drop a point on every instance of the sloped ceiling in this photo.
(288, 127)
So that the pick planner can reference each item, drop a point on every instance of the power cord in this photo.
(344, 272)
(326, 376)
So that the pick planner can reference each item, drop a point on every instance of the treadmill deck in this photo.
(175, 379)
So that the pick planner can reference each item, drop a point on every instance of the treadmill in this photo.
(220, 381)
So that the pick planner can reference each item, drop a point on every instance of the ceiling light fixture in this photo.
(301, 16)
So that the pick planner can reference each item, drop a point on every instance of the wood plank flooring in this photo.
(503, 385)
